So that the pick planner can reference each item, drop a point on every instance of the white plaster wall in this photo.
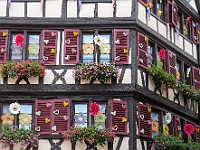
(3, 5)
(105, 10)
(124, 145)
(188, 47)
(193, 4)
(48, 78)
(139, 79)
(66, 145)
(34, 80)
(44, 144)
(87, 10)
(53, 8)
(127, 77)
(142, 13)
(194, 50)
(129, 56)
(162, 29)
(168, 32)
(58, 49)
(179, 41)
(172, 35)
(139, 145)
(123, 8)
(69, 77)
(181, 99)
(152, 23)
(151, 85)
(34, 9)
(171, 94)
(1, 80)
(72, 8)
(120, 70)
(17, 9)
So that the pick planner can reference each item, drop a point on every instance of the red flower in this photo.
(19, 40)
(189, 129)
(188, 20)
(94, 109)
(162, 54)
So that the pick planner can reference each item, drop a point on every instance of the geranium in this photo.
(93, 71)
(24, 69)
(94, 109)
(189, 129)
(162, 54)
(19, 40)
(14, 108)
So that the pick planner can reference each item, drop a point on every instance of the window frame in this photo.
(96, 1)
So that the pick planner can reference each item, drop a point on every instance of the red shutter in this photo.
(49, 46)
(171, 63)
(195, 35)
(3, 45)
(144, 2)
(174, 13)
(142, 51)
(177, 124)
(196, 77)
(61, 115)
(121, 46)
(144, 121)
(169, 11)
(71, 46)
(45, 107)
(120, 109)
(197, 131)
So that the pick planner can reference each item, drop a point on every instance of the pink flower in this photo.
(162, 54)
(19, 40)
(94, 109)
(189, 129)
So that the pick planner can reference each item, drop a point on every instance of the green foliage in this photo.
(92, 71)
(168, 142)
(160, 77)
(12, 135)
(186, 90)
(24, 69)
(193, 146)
(90, 134)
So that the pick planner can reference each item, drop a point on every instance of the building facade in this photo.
(57, 35)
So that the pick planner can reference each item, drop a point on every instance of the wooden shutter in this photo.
(61, 115)
(197, 133)
(196, 77)
(177, 124)
(121, 46)
(49, 46)
(174, 13)
(144, 2)
(144, 121)
(169, 11)
(195, 35)
(44, 108)
(171, 63)
(3, 45)
(142, 51)
(71, 46)
(120, 108)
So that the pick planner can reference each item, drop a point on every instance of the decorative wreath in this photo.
(155, 126)
(7, 119)
(80, 119)
(99, 118)
(16, 50)
(33, 49)
(88, 48)
(166, 129)
(104, 49)
(25, 119)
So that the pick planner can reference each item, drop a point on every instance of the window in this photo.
(158, 8)
(25, 109)
(155, 123)
(96, 52)
(82, 117)
(96, 1)
(187, 74)
(29, 51)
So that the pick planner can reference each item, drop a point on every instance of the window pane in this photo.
(16, 51)
(88, 49)
(80, 108)
(33, 47)
(105, 49)
(26, 109)
(103, 108)
(5, 109)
